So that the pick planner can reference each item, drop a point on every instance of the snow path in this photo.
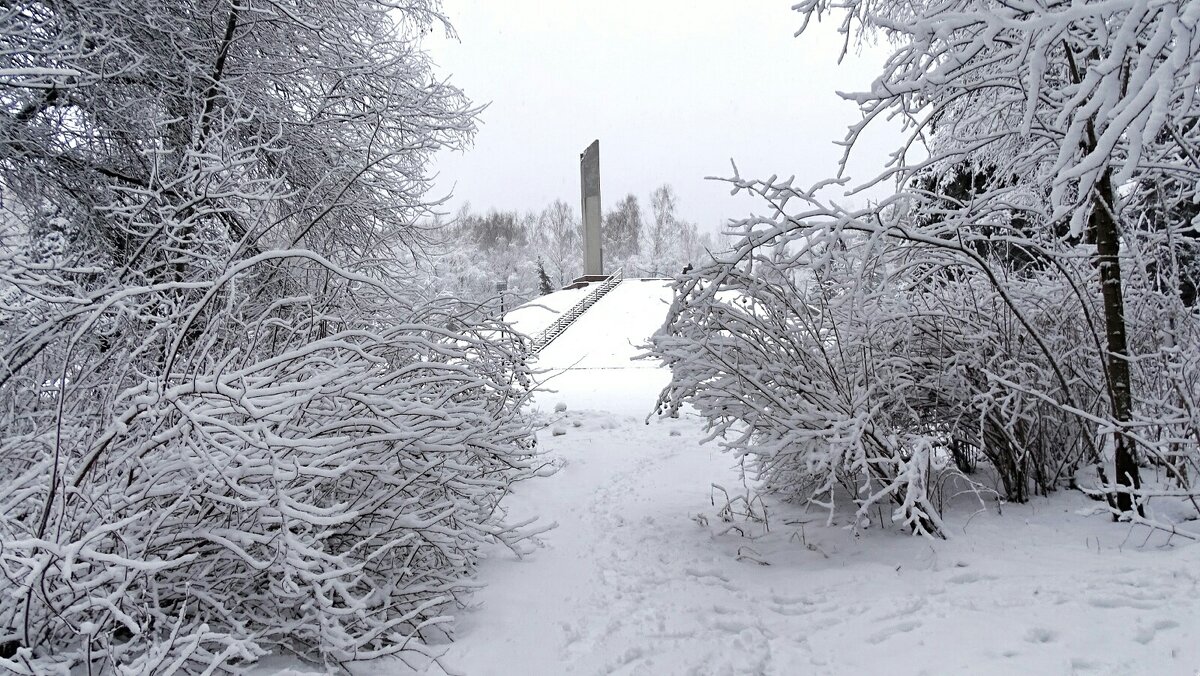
(631, 583)
(642, 577)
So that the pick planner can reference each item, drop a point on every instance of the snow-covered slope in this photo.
(610, 334)
(532, 318)
(592, 365)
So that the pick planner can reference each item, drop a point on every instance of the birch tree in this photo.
(561, 233)
(662, 227)
(622, 231)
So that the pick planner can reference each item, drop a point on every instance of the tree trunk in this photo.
(1103, 225)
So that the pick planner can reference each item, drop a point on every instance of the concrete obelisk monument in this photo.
(589, 178)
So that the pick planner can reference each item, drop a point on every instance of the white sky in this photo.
(672, 88)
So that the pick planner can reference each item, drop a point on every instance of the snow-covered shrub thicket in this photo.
(226, 426)
(1027, 297)
(327, 496)
(797, 372)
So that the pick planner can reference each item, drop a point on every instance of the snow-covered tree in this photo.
(670, 243)
(663, 204)
(560, 236)
(1034, 285)
(545, 286)
(228, 427)
(622, 232)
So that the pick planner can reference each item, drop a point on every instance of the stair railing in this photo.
(568, 318)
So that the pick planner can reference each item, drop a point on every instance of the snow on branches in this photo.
(1028, 295)
(794, 373)
(329, 500)
(227, 427)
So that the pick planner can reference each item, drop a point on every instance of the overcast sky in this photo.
(672, 88)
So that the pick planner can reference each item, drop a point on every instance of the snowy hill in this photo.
(592, 365)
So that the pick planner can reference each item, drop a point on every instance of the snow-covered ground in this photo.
(642, 575)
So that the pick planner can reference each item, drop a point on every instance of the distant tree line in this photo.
(538, 252)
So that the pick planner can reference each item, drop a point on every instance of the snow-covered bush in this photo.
(866, 365)
(227, 427)
(1027, 295)
(806, 379)
(326, 497)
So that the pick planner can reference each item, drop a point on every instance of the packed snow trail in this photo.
(642, 576)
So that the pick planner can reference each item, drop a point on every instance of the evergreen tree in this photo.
(544, 285)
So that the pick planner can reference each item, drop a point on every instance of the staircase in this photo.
(568, 318)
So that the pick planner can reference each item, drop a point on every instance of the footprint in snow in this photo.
(899, 628)
(1120, 602)
(786, 605)
(904, 610)
(792, 610)
(1040, 635)
(1145, 635)
(702, 574)
(967, 578)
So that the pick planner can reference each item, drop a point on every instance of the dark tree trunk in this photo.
(1102, 223)
(1102, 227)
